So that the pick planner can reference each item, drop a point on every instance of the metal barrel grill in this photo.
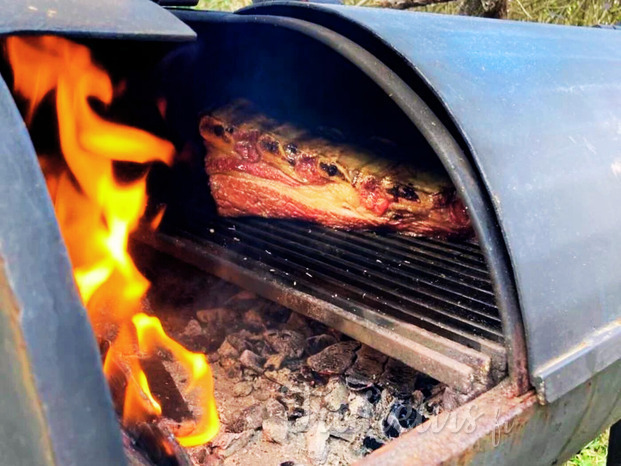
(524, 118)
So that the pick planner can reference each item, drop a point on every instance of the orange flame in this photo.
(96, 216)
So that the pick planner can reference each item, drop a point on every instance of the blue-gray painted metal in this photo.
(539, 107)
(62, 353)
(118, 19)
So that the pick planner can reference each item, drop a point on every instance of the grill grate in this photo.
(402, 287)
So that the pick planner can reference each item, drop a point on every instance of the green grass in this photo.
(592, 454)
(577, 12)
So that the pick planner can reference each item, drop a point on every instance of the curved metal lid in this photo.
(116, 19)
(539, 107)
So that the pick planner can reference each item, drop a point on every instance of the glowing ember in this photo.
(96, 215)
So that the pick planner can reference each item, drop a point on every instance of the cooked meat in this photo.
(258, 167)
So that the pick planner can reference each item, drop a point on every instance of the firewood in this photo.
(151, 444)
(164, 388)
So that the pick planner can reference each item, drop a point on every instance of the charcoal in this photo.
(227, 350)
(318, 343)
(239, 341)
(218, 317)
(317, 327)
(347, 434)
(253, 321)
(213, 357)
(317, 443)
(264, 388)
(242, 389)
(232, 368)
(336, 399)
(401, 417)
(275, 315)
(227, 444)
(291, 400)
(360, 406)
(426, 384)
(250, 418)
(295, 365)
(335, 359)
(298, 323)
(296, 413)
(252, 361)
(307, 375)
(275, 430)
(367, 368)
(275, 408)
(274, 362)
(289, 343)
(201, 456)
(287, 463)
(282, 377)
(193, 329)
(260, 347)
(212, 460)
(398, 378)
(417, 398)
(373, 394)
(371, 443)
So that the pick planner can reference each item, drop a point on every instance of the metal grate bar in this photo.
(403, 283)
(378, 284)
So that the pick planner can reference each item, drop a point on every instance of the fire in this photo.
(96, 215)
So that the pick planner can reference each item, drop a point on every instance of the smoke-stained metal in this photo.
(539, 109)
(115, 19)
(54, 391)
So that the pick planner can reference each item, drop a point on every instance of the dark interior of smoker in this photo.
(388, 280)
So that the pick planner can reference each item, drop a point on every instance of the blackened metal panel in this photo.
(540, 109)
(118, 19)
(60, 348)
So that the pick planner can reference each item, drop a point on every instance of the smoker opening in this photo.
(427, 302)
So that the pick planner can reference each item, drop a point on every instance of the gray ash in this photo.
(290, 390)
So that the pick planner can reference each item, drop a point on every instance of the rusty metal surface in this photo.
(498, 428)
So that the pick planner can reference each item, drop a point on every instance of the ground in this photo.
(576, 12)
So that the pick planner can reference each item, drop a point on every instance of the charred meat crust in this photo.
(289, 174)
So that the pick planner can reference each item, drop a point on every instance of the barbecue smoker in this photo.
(524, 118)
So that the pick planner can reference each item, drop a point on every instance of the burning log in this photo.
(147, 444)
(165, 389)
